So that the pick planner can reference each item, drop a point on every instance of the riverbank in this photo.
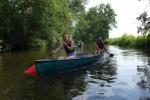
(131, 41)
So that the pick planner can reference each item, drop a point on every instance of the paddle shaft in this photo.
(110, 55)
(49, 55)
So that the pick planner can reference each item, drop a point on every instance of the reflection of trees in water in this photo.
(146, 53)
(68, 85)
(58, 87)
(104, 72)
(144, 71)
(144, 98)
(144, 83)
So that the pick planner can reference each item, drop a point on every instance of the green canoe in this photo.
(46, 66)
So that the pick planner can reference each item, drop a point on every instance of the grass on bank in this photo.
(131, 41)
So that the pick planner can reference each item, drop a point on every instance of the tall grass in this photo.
(131, 41)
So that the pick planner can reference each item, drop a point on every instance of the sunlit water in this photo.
(114, 79)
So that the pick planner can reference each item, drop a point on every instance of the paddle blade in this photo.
(111, 55)
(31, 71)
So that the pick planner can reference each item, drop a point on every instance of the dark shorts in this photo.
(71, 54)
(101, 47)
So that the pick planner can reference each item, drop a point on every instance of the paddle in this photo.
(31, 70)
(110, 55)
(49, 55)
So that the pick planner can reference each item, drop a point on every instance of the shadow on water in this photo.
(63, 86)
(68, 85)
(116, 79)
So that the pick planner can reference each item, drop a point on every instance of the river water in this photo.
(118, 78)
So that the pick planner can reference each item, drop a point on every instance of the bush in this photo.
(131, 41)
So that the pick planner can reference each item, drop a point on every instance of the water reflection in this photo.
(114, 79)
(63, 86)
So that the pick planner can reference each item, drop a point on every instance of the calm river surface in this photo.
(116, 79)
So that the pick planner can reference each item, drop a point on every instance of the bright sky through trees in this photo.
(127, 11)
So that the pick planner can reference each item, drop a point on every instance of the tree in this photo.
(144, 18)
(24, 21)
(95, 22)
(21, 22)
(77, 6)
(144, 28)
(58, 20)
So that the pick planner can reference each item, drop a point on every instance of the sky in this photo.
(127, 11)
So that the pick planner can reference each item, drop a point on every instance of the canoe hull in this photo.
(46, 67)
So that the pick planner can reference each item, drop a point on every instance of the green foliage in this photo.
(58, 20)
(144, 18)
(64, 14)
(24, 21)
(77, 6)
(131, 41)
(21, 22)
(144, 28)
(148, 40)
(95, 22)
(127, 40)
